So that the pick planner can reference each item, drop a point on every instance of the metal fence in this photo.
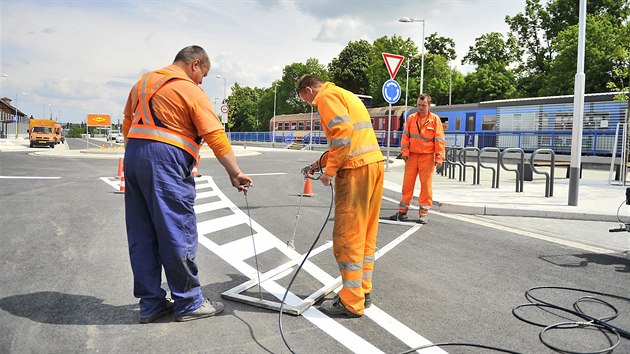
(594, 142)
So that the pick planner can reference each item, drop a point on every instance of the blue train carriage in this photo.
(532, 123)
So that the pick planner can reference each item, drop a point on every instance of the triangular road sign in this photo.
(393, 61)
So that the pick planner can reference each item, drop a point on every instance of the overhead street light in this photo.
(407, 20)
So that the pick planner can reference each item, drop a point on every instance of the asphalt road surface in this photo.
(67, 283)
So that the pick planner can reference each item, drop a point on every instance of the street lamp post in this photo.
(273, 124)
(224, 91)
(407, 19)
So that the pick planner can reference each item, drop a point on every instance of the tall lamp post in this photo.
(408, 19)
(224, 91)
(273, 124)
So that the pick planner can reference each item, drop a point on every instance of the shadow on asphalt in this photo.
(620, 261)
(69, 309)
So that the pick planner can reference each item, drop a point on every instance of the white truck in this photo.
(113, 133)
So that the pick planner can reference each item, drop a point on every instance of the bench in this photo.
(528, 174)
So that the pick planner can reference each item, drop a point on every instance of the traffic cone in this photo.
(121, 185)
(308, 188)
(195, 171)
(120, 168)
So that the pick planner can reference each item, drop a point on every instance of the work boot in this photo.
(336, 308)
(368, 300)
(399, 217)
(423, 219)
(206, 309)
(168, 308)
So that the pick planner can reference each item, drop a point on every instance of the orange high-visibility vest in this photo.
(423, 136)
(145, 125)
(346, 123)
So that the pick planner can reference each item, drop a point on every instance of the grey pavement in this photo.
(597, 199)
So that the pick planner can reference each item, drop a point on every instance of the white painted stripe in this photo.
(204, 208)
(402, 332)
(202, 185)
(529, 234)
(112, 181)
(27, 177)
(244, 248)
(218, 224)
(203, 195)
(267, 174)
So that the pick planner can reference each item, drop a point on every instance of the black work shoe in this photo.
(368, 300)
(207, 309)
(423, 219)
(168, 308)
(399, 217)
(336, 308)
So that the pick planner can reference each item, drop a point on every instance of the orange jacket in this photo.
(346, 122)
(423, 135)
(184, 112)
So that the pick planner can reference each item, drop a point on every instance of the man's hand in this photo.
(405, 158)
(242, 182)
(325, 179)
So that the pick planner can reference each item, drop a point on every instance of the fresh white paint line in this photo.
(112, 181)
(27, 177)
(233, 254)
(267, 174)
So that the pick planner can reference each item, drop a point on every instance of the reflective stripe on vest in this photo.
(144, 127)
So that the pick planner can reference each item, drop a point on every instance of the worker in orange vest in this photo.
(355, 161)
(422, 149)
(166, 115)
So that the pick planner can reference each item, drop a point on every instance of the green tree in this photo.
(492, 48)
(349, 69)
(490, 82)
(604, 41)
(243, 114)
(287, 99)
(442, 46)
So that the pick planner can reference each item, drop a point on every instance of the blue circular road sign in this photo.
(391, 91)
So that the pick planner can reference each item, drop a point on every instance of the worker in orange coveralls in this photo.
(355, 161)
(422, 149)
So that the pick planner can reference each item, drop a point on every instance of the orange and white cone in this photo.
(120, 168)
(308, 188)
(195, 171)
(121, 185)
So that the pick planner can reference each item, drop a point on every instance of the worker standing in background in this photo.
(355, 161)
(166, 115)
(422, 149)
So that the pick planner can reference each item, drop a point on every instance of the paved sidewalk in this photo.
(597, 200)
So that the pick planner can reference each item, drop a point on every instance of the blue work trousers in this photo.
(161, 225)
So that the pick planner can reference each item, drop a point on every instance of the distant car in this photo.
(120, 138)
(113, 134)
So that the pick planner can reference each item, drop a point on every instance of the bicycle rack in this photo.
(548, 176)
(519, 171)
(465, 164)
(495, 172)
(453, 163)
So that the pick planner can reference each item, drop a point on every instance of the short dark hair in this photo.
(424, 96)
(192, 53)
(308, 81)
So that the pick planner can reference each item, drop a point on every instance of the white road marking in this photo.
(234, 253)
(27, 177)
(529, 234)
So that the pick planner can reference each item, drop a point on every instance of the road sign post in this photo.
(391, 93)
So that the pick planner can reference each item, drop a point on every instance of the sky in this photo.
(67, 59)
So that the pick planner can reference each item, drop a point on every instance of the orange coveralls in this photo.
(423, 144)
(355, 157)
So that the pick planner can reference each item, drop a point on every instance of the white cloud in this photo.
(82, 57)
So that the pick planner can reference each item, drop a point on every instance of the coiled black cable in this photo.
(589, 321)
